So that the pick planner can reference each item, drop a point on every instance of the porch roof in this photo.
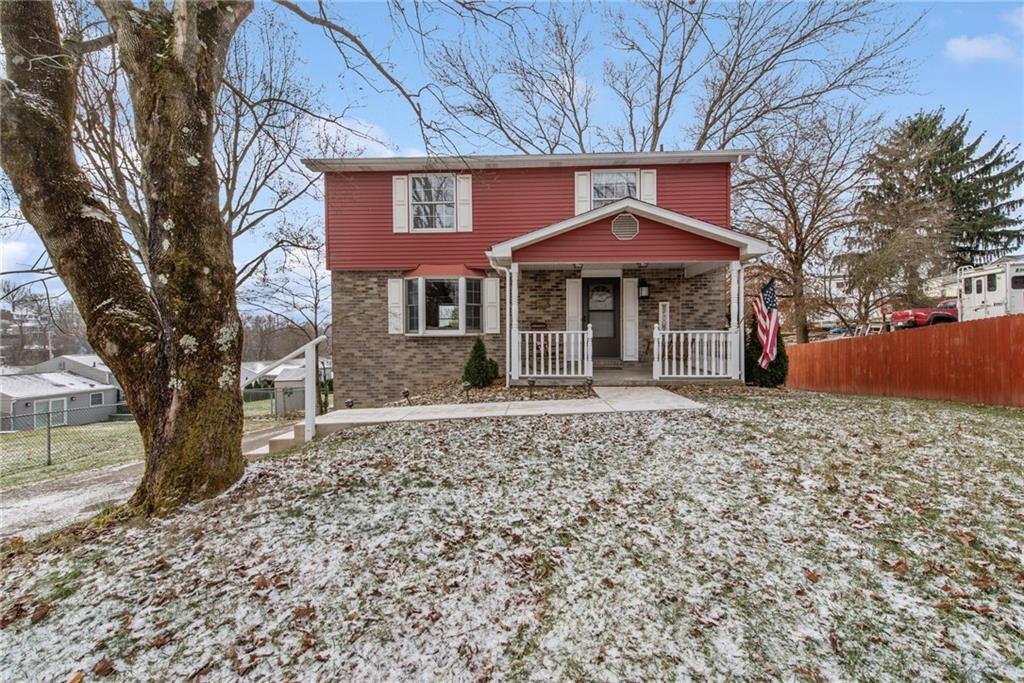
(748, 247)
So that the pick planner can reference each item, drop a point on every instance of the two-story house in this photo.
(562, 263)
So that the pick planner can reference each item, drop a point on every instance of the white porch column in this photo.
(514, 295)
(311, 388)
(736, 321)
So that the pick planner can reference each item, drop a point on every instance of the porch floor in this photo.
(622, 374)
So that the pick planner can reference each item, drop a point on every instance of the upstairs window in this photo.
(433, 201)
(611, 186)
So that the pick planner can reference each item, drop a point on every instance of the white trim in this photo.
(749, 246)
(490, 161)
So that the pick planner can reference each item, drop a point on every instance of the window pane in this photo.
(433, 188)
(433, 216)
(442, 304)
(1017, 282)
(473, 307)
(993, 282)
(611, 186)
(412, 306)
(967, 285)
(96, 399)
(977, 286)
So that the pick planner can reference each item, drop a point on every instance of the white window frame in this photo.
(48, 408)
(595, 171)
(95, 393)
(421, 307)
(454, 203)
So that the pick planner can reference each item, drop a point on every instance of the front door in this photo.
(601, 309)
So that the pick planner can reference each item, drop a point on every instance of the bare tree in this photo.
(166, 322)
(801, 193)
(741, 66)
(529, 96)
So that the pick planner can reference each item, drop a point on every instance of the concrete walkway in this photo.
(608, 400)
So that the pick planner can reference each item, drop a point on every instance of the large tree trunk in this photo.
(799, 305)
(175, 346)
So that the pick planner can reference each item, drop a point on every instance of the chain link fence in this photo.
(42, 445)
(57, 438)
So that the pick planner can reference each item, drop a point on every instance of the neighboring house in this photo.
(88, 365)
(561, 262)
(27, 401)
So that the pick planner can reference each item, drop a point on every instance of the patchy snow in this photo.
(94, 213)
(772, 535)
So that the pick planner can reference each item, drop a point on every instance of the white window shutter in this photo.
(400, 203)
(582, 192)
(464, 203)
(491, 300)
(630, 319)
(649, 186)
(573, 304)
(396, 308)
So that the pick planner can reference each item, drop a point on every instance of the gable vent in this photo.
(625, 226)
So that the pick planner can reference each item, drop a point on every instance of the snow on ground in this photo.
(772, 535)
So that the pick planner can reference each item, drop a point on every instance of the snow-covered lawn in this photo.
(772, 535)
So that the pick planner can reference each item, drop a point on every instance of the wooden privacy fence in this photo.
(981, 361)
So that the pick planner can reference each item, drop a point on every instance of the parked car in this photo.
(945, 312)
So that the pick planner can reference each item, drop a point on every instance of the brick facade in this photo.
(372, 366)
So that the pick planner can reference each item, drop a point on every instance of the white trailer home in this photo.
(992, 290)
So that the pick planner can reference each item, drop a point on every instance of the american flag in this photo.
(766, 308)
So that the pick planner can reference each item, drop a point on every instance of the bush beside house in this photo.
(775, 374)
(480, 370)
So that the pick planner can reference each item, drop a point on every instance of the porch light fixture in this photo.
(349, 403)
(643, 289)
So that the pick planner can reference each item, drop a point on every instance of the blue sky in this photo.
(970, 58)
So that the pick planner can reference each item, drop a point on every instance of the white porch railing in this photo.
(687, 354)
(562, 354)
(310, 387)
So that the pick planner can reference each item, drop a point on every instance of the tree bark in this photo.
(175, 345)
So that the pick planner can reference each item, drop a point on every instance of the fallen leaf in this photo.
(40, 612)
(811, 575)
(159, 641)
(900, 566)
(103, 667)
(261, 582)
(965, 537)
(607, 582)
(77, 677)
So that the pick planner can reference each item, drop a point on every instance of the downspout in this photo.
(508, 319)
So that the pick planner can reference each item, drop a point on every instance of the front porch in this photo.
(627, 294)
(620, 374)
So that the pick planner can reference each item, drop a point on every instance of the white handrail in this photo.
(686, 354)
(310, 388)
(553, 354)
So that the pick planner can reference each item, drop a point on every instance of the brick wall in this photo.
(372, 366)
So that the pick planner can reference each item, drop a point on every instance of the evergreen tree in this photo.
(979, 184)
(902, 235)
(772, 376)
(480, 370)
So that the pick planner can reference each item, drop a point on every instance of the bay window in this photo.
(433, 201)
(443, 305)
(611, 186)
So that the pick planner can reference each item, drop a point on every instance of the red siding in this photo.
(506, 203)
(654, 243)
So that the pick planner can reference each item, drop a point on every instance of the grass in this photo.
(80, 448)
(770, 535)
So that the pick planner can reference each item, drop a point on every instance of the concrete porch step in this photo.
(607, 362)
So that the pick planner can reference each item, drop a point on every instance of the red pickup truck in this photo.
(945, 312)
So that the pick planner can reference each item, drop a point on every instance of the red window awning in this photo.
(444, 270)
